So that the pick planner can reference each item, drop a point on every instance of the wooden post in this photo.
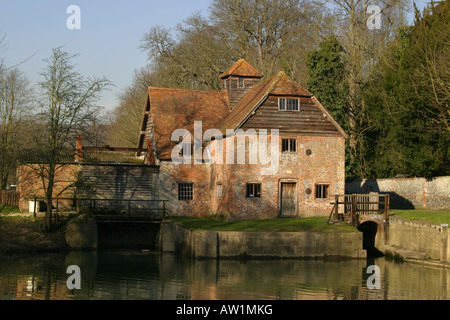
(336, 207)
(386, 219)
(57, 206)
(353, 212)
(444, 242)
(34, 208)
(164, 208)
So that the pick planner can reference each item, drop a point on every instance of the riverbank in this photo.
(21, 234)
(24, 235)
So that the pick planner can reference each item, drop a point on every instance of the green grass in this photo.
(315, 224)
(431, 216)
(8, 209)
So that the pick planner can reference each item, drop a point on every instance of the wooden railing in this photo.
(350, 207)
(110, 206)
(122, 206)
(9, 198)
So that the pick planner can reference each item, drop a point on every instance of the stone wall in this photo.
(432, 240)
(407, 192)
(231, 244)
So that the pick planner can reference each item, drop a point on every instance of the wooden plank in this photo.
(292, 122)
(285, 131)
(288, 199)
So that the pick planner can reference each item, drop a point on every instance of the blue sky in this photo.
(107, 43)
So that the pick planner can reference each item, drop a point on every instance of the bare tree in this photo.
(124, 127)
(67, 104)
(269, 33)
(193, 60)
(363, 48)
(15, 105)
(272, 35)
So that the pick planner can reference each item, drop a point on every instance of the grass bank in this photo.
(423, 215)
(315, 224)
(25, 235)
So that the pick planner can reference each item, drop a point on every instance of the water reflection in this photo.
(108, 275)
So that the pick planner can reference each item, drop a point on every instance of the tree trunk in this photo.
(49, 200)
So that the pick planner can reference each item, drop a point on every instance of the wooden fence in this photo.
(9, 198)
(351, 207)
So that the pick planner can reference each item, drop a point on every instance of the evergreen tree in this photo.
(407, 103)
(326, 71)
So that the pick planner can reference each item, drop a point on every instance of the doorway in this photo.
(288, 199)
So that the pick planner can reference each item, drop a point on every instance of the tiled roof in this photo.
(173, 109)
(241, 68)
(280, 84)
(92, 157)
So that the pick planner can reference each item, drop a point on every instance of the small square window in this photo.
(322, 191)
(253, 190)
(185, 191)
(289, 145)
(240, 82)
(288, 104)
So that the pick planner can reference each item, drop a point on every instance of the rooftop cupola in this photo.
(238, 80)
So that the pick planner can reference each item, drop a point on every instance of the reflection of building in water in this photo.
(170, 277)
(8, 288)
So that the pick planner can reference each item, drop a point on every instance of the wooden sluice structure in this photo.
(354, 208)
(366, 212)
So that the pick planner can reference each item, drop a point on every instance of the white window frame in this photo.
(219, 190)
(283, 104)
(239, 82)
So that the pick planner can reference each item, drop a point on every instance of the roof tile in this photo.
(241, 68)
(173, 109)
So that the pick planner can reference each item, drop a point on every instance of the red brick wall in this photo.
(30, 183)
(171, 174)
(326, 164)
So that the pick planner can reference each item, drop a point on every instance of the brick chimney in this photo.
(79, 149)
(150, 155)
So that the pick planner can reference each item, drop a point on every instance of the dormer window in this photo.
(288, 104)
(240, 82)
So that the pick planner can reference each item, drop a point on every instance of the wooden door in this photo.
(288, 199)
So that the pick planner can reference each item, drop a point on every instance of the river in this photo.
(147, 275)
